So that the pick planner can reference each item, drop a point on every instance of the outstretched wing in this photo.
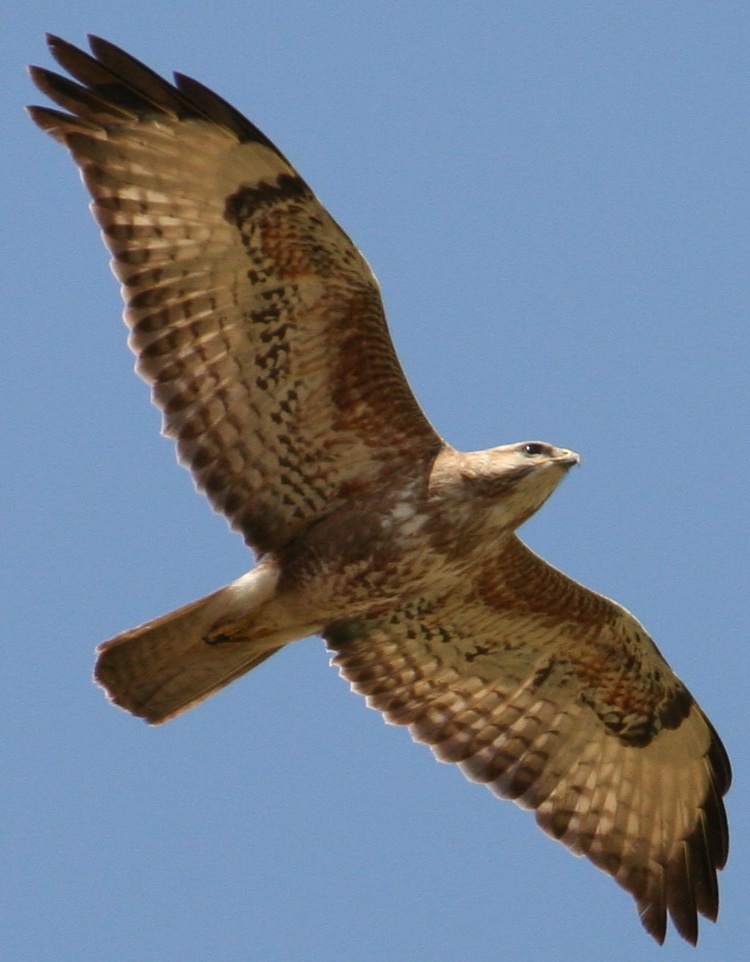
(254, 317)
(555, 697)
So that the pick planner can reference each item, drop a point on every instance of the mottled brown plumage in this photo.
(260, 327)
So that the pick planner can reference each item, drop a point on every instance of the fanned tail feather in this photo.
(164, 667)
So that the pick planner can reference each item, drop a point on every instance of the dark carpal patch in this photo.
(247, 200)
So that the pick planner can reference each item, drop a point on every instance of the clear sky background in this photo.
(555, 199)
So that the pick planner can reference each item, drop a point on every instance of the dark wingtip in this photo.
(101, 47)
(57, 44)
(114, 86)
(654, 921)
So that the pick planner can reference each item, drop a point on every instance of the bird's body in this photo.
(259, 326)
(373, 554)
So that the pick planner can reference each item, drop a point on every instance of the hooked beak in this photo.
(566, 458)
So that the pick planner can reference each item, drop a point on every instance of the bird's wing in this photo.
(257, 321)
(555, 697)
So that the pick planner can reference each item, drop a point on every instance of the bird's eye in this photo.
(534, 448)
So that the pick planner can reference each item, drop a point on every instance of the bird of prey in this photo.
(260, 328)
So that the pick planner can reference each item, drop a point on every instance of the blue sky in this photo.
(555, 199)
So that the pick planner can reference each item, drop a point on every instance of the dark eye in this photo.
(534, 448)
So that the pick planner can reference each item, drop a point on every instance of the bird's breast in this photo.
(385, 550)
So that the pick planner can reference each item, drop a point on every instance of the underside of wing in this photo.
(555, 697)
(253, 316)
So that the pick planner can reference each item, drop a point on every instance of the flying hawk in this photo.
(260, 327)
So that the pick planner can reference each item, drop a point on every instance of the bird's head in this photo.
(515, 480)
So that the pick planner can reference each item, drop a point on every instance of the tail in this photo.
(170, 664)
